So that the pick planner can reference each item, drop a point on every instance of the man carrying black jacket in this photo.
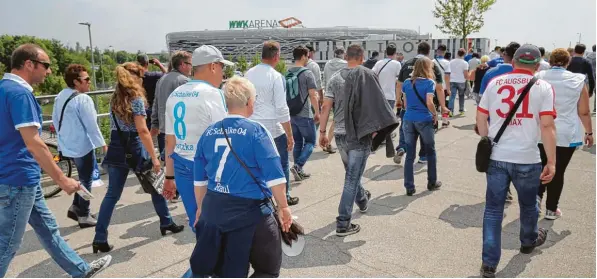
(580, 65)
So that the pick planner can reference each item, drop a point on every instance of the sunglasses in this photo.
(84, 79)
(188, 63)
(45, 64)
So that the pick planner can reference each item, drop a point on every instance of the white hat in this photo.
(206, 54)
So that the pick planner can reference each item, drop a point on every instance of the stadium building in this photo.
(245, 37)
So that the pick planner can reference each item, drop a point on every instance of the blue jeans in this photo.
(303, 131)
(162, 145)
(183, 175)
(116, 181)
(22, 204)
(85, 169)
(525, 178)
(457, 87)
(354, 161)
(402, 140)
(425, 130)
(282, 146)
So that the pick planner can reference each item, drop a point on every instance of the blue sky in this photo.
(143, 24)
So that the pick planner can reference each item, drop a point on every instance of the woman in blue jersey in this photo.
(573, 117)
(237, 169)
(420, 119)
(127, 109)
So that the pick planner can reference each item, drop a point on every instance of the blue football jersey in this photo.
(218, 169)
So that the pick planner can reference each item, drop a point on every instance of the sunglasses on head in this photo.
(45, 64)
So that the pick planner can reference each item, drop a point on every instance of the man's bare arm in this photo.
(41, 153)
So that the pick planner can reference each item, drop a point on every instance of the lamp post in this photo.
(579, 36)
(91, 48)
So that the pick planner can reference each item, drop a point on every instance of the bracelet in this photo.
(588, 134)
(323, 132)
(168, 177)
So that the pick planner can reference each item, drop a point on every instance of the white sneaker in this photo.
(98, 265)
(551, 215)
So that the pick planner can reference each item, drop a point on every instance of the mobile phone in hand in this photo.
(84, 193)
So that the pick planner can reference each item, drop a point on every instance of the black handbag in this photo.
(435, 124)
(485, 145)
(295, 228)
(150, 181)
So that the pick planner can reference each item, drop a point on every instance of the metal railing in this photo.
(93, 94)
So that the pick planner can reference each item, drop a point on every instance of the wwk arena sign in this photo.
(253, 24)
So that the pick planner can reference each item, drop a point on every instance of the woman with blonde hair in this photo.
(574, 116)
(420, 119)
(129, 135)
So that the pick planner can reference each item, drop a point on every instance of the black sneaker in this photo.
(354, 228)
(487, 271)
(541, 238)
(411, 192)
(98, 265)
(296, 174)
(435, 186)
(292, 201)
(302, 172)
(368, 194)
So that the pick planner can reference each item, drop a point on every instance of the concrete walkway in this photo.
(428, 235)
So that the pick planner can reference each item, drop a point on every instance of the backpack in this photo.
(293, 91)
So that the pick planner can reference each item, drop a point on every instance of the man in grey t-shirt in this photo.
(303, 124)
(335, 92)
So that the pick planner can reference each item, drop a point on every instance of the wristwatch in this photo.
(168, 177)
(588, 134)
(323, 132)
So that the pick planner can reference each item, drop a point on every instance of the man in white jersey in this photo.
(190, 109)
(271, 109)
(387, 71)
(515, 158)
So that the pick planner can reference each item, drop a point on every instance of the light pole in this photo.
(579, 36)
(91, 48)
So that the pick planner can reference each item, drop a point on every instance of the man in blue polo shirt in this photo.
(22, 152)
(503, 68)
(237, 167)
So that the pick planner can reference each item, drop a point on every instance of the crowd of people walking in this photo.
(226, 148)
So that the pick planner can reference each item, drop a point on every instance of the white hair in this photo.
(238, 91)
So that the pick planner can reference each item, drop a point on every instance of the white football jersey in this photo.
(519, 142)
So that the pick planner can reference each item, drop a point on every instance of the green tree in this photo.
(2, 70)
(281, 67)
(256, 59)
(461, 18)
(242, 64)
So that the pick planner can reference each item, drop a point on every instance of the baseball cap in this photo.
(206, 54)
(527, 54)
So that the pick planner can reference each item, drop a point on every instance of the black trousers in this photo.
(266, 250)
(554, 188)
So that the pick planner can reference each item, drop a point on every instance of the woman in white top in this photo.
(573, 113)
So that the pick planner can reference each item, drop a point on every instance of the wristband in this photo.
(168, 177)
(588, 134)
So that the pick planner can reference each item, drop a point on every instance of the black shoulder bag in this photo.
(72, 96)
(435, 124)
(295, 228)
(150, 181)
(485, 145)
(383, 67)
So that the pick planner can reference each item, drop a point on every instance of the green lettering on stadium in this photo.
(253, 24)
